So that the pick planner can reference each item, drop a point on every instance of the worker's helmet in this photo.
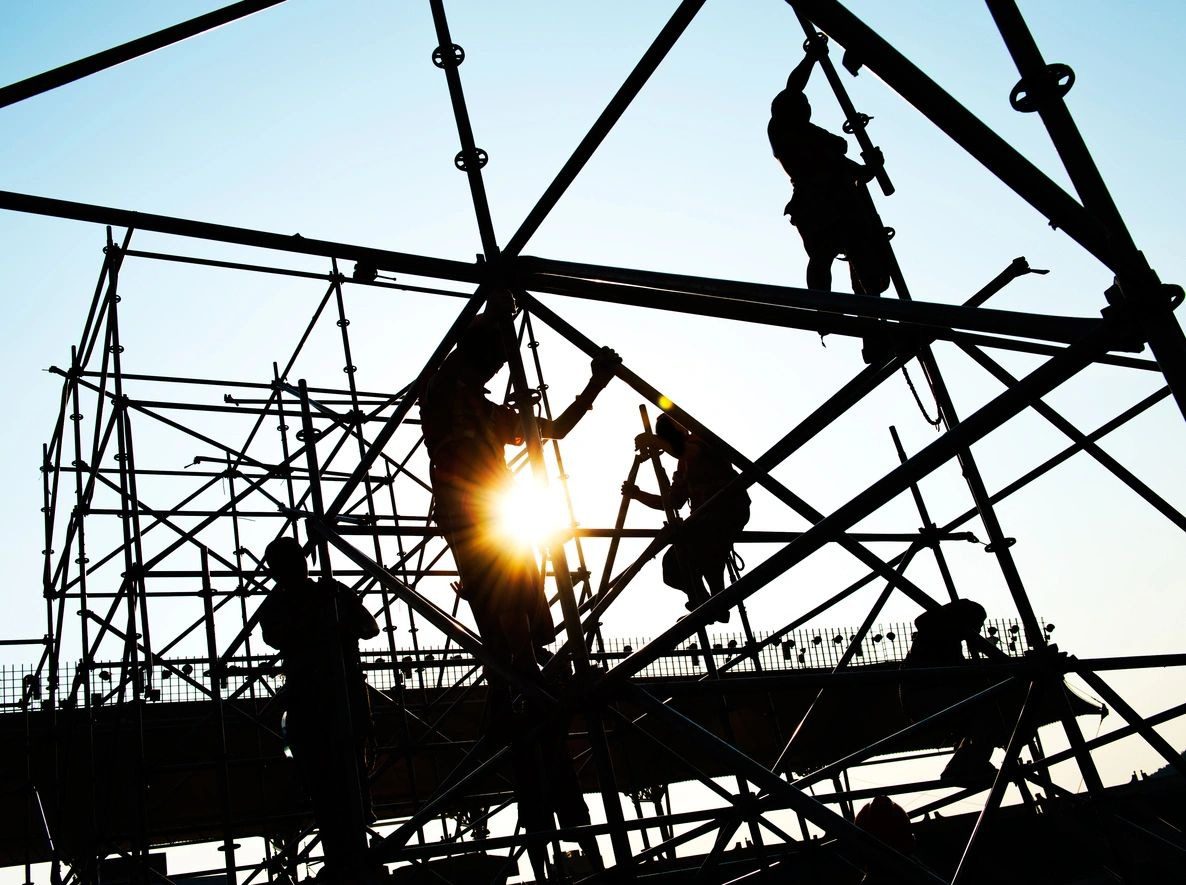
(286, 559)
(671, 430)
(961, 618)
(481, 344)
(790, 107)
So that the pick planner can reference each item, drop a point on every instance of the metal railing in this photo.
(188, 679)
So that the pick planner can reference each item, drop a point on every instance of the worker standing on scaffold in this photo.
(829, 206)
(465, 435)
(316, 626)
(702, 550)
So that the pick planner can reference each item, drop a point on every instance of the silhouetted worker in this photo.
(702, 549)
(465, 434)
(888, 821)
(316, 626)
(938, 642)
(829, 206)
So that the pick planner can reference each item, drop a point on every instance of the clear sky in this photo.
(330, 120)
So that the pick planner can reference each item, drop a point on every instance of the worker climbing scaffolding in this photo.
(829, 206)
(702, 550)
(465, 435)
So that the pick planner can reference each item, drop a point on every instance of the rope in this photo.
(934, 422)
(735, 564)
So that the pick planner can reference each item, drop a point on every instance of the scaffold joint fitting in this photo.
(475, 156)
(450, 56)
(1028, 96)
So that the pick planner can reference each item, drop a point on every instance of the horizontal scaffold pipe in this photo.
(745, 300)
(226, 382)
(288, 272)
(238, 409)
(384, 259)
(333, 476)
(967, 338)
(752, 537)
(244, 574)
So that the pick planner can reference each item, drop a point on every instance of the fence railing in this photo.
(189, 679)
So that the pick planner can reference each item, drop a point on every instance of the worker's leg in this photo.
(819, 271)
(822, 243)
(322, 760)
(680, 573)
(712, 541)
(869, 257)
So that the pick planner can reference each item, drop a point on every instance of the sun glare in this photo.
(530, 512)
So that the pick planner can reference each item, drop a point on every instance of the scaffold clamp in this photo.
(477, 155)
(1028, 96)
(453, 55)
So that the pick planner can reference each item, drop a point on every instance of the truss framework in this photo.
(354, 513)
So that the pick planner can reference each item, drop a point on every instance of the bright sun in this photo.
(530, 512)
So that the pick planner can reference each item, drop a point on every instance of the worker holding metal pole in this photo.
(465, 435)
(830, 205)
(700, 553)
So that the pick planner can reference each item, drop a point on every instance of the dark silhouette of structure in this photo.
(112, 761)
(701, 551)
(829, 206)
(316, 626)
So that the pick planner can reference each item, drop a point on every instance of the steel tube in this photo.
(747, 299)
(117, 55)
(638, 78)
(384, 259)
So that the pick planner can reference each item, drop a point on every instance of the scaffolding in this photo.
(117, 692)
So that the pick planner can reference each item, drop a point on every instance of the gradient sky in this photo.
(330, 120)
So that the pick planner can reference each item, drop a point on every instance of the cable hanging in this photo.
(934, 422)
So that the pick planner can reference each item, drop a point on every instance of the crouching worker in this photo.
(316, 626)
(938, 641)
(465, 434)
(702, 549)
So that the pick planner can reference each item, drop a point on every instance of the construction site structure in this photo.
(151, 718)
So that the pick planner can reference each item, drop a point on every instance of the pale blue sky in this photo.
(330, 120)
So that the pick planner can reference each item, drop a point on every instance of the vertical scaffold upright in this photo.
(152, 719)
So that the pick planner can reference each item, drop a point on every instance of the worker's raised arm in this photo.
(815, 49)
(801, 73)
(603, 367)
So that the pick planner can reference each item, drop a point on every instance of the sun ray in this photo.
(530, 512)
